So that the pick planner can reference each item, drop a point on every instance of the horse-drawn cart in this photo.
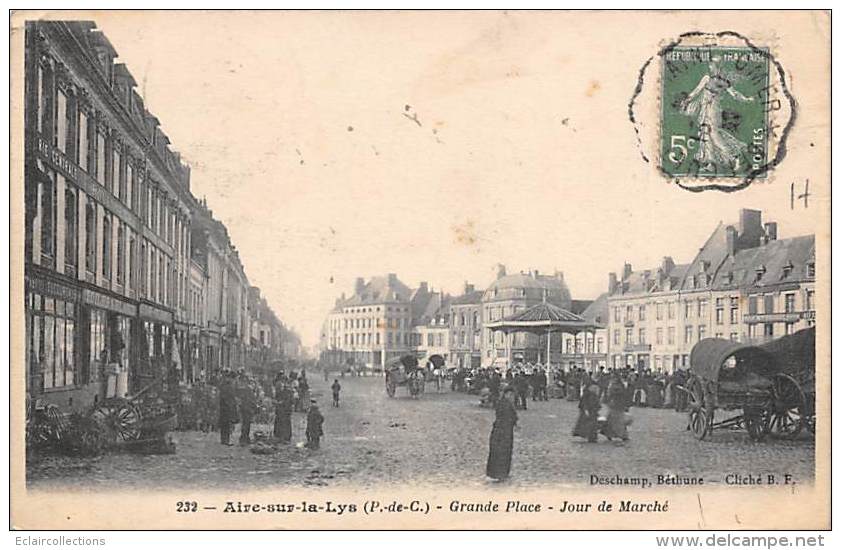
(772, 385)
(140, 418)
(404, 371)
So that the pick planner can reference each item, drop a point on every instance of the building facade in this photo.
(431, 326)
(588, 349)
(744, 284)
(434, 323)
(111, 282)
(466, 328)
(107, 222)
(370, 327)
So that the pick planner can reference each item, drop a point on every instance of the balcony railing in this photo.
(781, 317)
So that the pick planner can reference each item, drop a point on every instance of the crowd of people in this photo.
(616, 389)
(242, 399)
(643, 387)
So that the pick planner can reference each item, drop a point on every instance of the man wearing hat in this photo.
(314, 422)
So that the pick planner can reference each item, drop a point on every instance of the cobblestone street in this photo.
(437, 439)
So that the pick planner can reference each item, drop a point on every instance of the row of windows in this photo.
(789, 303)
(74, 131)
(726, 308)
(691, 308)
(111, 247)
(463, 318)
(367, 339)
(581, 346)
(390, 309)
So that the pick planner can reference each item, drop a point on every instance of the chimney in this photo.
(626, 271)
(500, 271)
(468, 288)
(423, 286)
(536, 274)
(611, 283)
(731, 240)
(668, 265)
(771, 231)
(359, 286)
(392, 278)
(559, 275)
(750, 228)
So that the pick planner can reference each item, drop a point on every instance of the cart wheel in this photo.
(120, 419)
(787, 408)
(756, 425)
(699, 423)
(694, 395)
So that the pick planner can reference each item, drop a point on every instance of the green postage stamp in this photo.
(714, 117)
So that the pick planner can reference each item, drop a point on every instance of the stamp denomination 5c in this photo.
(714, 120)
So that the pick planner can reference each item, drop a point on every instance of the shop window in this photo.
(51, 342)
(98, 344)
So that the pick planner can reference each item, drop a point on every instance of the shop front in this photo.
(53, 356)
(154, 348)
(108, 319)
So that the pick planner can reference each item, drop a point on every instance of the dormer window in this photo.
(760, 271)
(810, 270)
(787, 269)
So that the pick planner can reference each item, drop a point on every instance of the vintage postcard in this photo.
(420, 270)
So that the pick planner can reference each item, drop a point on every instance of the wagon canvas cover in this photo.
(709, 355)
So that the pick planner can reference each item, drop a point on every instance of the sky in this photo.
(435, 145)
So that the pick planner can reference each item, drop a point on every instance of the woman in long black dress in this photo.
(502, 437)
(587, 424)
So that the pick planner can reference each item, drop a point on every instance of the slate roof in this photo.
(474, 297)
(780, 262)
(379, 290)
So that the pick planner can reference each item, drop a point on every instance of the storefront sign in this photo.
(57, 159)
(104, 301)
(148, 311)
(53, 289)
